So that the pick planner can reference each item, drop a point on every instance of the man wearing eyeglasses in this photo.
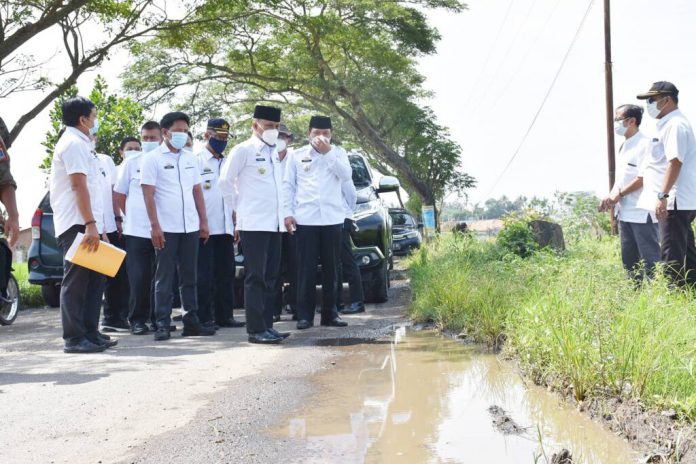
(673, 165)
(638, 227)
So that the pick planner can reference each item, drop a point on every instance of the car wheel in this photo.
(379, 291)
(51, 295)
(10, 308)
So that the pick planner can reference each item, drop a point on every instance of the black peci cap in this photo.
(660, 88)
(320, 122)
(269, 113)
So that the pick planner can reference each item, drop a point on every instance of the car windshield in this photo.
(361, 174)
(402, 219)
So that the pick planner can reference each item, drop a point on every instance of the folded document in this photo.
(106, 260)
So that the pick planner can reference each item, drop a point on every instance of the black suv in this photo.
(372, 243)
(45, 258)
(407, 235)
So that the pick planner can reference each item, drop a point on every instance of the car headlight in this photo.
(365, 209)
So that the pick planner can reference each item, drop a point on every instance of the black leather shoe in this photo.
(115, 326)
(162, 334)
(139, 328)
(172, 328)
(335, 322)
(276, 318)
(104, 336)
(278, 334)
(354, 308)
(304, 324)
(208, 325)
(103, 342)
(231, 323)
(85, 346)
(264, 338)
(197, 330)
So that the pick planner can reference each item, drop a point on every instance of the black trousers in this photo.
(140, 265)
(317, 244)
(116, 289)
(678, 248)
(348, 269)
(80, 295)
(179, 255)
(288, 273)
(216, 278)
(261, 271)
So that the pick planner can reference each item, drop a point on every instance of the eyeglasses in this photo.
(657, 98)
(620, 119)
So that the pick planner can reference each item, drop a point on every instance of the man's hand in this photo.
(91, 239)
(12, 231)
(609, 202)
(290, 225)
(237, 237)
(105, 238)
(321, 145)
(157, 237)
(119, 228)
(661, 209)
(204, 232)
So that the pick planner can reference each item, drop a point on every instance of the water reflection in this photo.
(424, 399)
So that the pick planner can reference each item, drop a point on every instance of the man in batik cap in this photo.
(216, 256)
(251, 188)
(314, 210)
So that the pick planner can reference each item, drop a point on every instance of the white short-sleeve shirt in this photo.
(219, 215)
(136, 223)
(173, 175)
(74, 154)
(631, 157)
(107, 171)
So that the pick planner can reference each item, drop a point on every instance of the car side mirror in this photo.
(388, 184)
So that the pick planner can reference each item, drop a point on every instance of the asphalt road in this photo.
(210, 399)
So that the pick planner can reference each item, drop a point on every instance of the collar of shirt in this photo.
(661, 123)
(207, 154)
(78, 133)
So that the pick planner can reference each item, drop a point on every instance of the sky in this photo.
(494, 65)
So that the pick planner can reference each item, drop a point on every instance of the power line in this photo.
(513, 42)
(543, 102)
(474, 89)
(514, 75)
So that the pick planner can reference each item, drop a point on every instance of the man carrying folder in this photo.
(77, 208)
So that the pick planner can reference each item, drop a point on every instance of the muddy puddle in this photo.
(427, 399)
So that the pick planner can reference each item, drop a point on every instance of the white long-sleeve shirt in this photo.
(312, 186)
(350, 197)
(251, 187)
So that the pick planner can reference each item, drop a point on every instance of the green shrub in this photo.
(29, 294)
(517, 237)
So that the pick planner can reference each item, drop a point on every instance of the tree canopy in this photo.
(353, 60)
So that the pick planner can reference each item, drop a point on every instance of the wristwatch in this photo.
(662, 196)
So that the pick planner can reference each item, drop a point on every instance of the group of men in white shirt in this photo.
(655, 189)
(178, 216)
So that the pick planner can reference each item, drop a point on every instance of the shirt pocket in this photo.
(306, 167)
(189, 174)
(657, 150)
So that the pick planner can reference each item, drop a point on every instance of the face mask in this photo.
(281, 145)
(270, 136)
(217, 145)
(178, 139)
(149, 146)
(130, 153)
(93, 130)
(652, 109)
(619, 128)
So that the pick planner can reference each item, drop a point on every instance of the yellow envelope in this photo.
(106, 260)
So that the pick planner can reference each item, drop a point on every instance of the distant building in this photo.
(486, 227)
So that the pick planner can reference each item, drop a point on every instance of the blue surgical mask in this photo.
(149, 146)
(217, 145)
(178, 139)
(93, 130)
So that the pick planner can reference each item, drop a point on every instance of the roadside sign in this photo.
(428, 213)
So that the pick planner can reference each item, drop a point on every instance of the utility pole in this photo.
(609, 90)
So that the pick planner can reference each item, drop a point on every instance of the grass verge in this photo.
(30, 295)
(574, 320)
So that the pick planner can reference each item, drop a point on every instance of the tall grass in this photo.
(575, 321)
(29, 295)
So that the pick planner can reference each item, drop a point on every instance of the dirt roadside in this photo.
(187, 400)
